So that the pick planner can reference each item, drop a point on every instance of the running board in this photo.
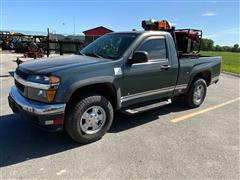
(147, 107)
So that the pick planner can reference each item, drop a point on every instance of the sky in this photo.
(219, 20)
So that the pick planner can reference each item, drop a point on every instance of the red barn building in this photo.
(92, 34)
(98, 31)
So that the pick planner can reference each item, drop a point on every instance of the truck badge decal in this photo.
(117, 71)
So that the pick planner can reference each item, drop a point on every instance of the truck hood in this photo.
(49, 65)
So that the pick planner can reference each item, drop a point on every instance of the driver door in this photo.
(150, 80)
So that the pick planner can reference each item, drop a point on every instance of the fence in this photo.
(70, 46)
(51, 43)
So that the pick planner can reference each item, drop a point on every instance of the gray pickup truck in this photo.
(124, 71)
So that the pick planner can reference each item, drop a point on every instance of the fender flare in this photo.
(93, 81)
(207, 69)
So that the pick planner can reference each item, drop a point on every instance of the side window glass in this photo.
(156, 48)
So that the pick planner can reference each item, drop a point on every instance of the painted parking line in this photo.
(203, 111)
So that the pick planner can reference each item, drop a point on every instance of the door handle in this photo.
(165, 67)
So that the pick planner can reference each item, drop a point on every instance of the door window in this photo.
(156, 48)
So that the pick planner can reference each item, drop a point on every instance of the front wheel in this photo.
(88, 118)
(196, 94)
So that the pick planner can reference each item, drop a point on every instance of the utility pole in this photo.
(48, 41)
(74, 25)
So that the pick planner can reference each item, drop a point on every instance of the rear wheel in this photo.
(196, 94)
(88, 118)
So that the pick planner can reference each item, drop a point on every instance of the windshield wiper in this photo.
(96, 55)
(93, 55)
(81, 54)
(109, 57)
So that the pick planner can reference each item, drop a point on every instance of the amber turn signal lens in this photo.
(50, 95)
(54, 79)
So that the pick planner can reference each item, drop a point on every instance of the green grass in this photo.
(231, 60)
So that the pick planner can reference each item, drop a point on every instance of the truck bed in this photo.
(190, 66)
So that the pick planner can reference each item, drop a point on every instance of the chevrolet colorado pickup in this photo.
(124, 71)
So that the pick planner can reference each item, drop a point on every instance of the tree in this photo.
(207, 44)
(226, 48)
(235, 48)
(218, 48)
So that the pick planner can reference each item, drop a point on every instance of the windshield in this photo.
(111, 46)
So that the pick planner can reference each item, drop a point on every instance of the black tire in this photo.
(75, 112)
(189, 97)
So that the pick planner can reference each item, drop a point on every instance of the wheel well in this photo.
(105, 89)
(206, 75)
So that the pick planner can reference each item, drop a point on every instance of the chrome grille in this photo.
(20, 86)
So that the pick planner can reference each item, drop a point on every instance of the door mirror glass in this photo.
(139, 57)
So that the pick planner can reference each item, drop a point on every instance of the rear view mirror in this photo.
(139, 57)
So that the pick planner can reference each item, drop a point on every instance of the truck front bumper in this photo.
(41, 113)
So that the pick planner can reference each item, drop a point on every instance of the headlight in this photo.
(42, 88)
(41, 94)
(44, 79)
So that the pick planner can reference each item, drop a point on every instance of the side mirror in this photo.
(139, 57)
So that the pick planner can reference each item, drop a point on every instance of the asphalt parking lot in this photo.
(172, 142)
